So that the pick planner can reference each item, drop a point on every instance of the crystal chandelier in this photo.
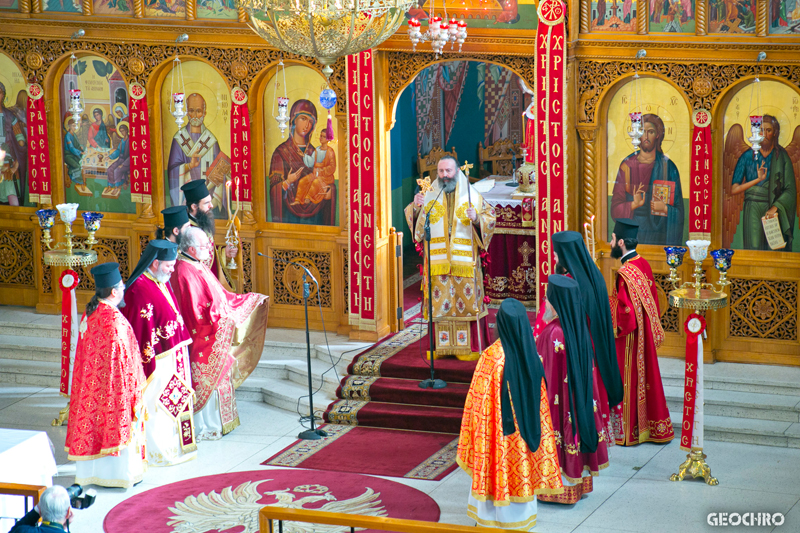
(325, 29)
(439, 32)
(637, 131)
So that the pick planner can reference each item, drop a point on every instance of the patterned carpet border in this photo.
(305, 448)
(369, 363)
(436, 464)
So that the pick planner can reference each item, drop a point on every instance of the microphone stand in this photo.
(313, 433)
(432, 382)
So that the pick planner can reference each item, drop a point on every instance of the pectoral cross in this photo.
(466, 168)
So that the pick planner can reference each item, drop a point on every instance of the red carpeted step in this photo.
(404, 391)
(397, 416)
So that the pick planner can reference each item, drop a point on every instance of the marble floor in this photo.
(633, 494)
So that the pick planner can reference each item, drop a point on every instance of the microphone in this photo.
(291, 263)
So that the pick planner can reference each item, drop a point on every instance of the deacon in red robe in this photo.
(105, 435)
(643, 415)
(228, 332)
(200, 209)
(565, 346)
(152, 310)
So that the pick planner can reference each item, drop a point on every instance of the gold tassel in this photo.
(440, 269)
(462, 271)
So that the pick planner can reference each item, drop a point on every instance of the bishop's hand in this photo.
(472, 214)
(419, 199)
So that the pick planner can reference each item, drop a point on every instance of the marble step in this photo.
(30, 372)
(761, 379)
(30, 348)
(50, 331)
(284, 394)
(738, 404)
(745, 430)
(296, 371)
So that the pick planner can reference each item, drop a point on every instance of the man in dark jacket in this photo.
(54, 510)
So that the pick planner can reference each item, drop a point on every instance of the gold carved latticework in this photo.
(107, 250)
(47, 272)
(16, 258)
(144, 240)
(247, 266)
(763, 309)
(596, 76)
(288, 278)
(669, 315)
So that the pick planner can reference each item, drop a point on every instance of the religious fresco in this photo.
(9, 4)
(96, 149)
(217, 9)
(672, 16)
(113, 7)
(784, 16)
(165, 8)
(201, 148)
(761, 188)
(302, 177)
(518, 14)
(13, 134)
(650, 185)
(732, 16)
(62, 6)
(614, 15)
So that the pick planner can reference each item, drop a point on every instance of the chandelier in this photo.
(325, 29)
(439, 32)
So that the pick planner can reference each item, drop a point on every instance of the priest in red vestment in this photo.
(643, 415)
(201, 215)
(565, 346)
(227, 330)
(152, 310)
(105, 435)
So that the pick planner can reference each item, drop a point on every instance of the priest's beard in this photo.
(205, 219)
(449, 185)
(178, 238)
(616, 252)
(561, 269)
(549, 314)
(161, 275)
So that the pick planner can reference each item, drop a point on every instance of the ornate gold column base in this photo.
(147, 211)
(62, 415)
(696, 466)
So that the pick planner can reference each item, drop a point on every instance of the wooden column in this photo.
(36, 6)
(24, 6)
(586, 16)
(642, 18)
(191, 9)
(243, 15)
(138, 9)
(87, 7)
(762, 18)
(588, 134)
(700, 19)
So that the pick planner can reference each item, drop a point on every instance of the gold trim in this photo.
(525, 525)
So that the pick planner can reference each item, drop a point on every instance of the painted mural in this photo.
(784, 16)
(760, 188)
(672, 16)
(12, 5)
(165, 8)
(303, 177)
(217, 9)
(200, 149)
(63, 6)
(96, 150)
(732, 16)
(113, 7)
(519, 14)
(13, 100)
(614, 15)
(649, 184)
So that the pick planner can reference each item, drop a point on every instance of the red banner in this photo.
(141, 188)
(551, 183)
(361, 173)
(38, 151)
(69, 337)
(700, 187)
(240, 151)
(694, 326)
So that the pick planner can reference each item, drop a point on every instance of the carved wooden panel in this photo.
(247, 266)
(47, 273)
(16, 258)
(144, 240)
(702, 82)
(107, 250)
(669, 315)
(289, 278)
(763, 309)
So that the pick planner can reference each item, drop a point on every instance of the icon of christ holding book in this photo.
(648, 189)
(195, 154)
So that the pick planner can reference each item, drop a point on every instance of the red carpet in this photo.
(413, 454)
(230, 502)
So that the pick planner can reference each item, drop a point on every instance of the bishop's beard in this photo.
(449, 185)
(206, 221)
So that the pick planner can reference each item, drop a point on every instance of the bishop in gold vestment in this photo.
(462, 224)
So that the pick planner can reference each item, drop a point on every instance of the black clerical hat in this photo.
(195, 191)
(175, 217)
(106, 275)
(625, 228)
(160, 249)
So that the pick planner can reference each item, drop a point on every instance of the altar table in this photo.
(26, 457)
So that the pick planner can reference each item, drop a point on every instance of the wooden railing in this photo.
(269, 514)
(28, 491)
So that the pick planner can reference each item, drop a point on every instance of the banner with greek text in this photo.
(700, 187)
(241, 193)
(38, 151)
(361, 175)
(692, 426)
(141, 180)
(68, 282)
(551, 182)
